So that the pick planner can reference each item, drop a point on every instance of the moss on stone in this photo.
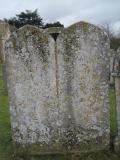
(54, 30)
(81, 25)
(65, 149)
(84, 26)
(39, 40)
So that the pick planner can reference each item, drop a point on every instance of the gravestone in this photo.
(112, 63)
(116, 75)
(4, 35)
(58, 89)
(83, 71)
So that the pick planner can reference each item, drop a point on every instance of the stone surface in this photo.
(116, 75)
(83, 67)
(58, 89)
(4, 35)
(112, 63)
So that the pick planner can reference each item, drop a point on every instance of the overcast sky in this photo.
(67, 11)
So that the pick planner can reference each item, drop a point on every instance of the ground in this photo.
(6, 149)
(5, 133)
(113, 122)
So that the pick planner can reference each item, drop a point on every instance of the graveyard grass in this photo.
(5, 133)
(6, 149)
(113, 121)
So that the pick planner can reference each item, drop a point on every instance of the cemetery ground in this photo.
(5, 133)
(6, 149)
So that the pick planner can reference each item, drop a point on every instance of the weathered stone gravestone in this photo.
(58, 89)
(4, 35)
(112, 63)
(116, 75)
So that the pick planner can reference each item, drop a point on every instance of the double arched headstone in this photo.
(58, 88)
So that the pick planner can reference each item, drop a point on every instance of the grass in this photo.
(6, 148)
(100, 155)
(113, 121)
(5, 134)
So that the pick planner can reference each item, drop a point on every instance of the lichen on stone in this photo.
(58, 88)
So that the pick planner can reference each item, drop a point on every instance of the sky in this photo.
(67, 11)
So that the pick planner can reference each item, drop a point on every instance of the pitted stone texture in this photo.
(83, 69)
(116, 75)
(4, 35)
(59, 89)
(31, 85)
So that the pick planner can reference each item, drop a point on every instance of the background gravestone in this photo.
(112, 61)
(4, 35)
(116, 75)
(58, 89)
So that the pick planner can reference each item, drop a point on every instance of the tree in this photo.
(108, 29)
(55, 24)
(115, 43)
(114, 40)
(27, 17)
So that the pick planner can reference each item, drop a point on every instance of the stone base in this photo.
(64, 156)
(117, 144)
(57, 151)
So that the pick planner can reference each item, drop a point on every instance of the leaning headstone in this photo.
(58, 89)
(4, 35)
(112, 62)
(116, 75)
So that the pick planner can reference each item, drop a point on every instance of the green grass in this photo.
(5, 134)
(113, 122)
